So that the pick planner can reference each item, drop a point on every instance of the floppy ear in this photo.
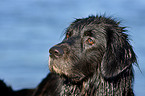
(119, 54)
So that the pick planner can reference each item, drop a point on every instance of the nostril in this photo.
(56, 51)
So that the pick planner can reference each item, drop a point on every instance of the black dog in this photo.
(94, 59)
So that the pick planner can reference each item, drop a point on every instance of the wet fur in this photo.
(103, 68)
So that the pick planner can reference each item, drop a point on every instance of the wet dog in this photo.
(94, 59)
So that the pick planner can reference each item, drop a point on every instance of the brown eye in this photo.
(90, 41)
(68, 34)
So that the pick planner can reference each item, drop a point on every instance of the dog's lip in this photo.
(57, 70)
(52, 67)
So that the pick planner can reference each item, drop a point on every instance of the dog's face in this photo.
(81, 52)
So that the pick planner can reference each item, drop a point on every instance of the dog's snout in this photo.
(56, 51)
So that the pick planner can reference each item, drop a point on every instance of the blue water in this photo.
(28, 28)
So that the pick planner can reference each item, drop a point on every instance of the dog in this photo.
(94, 59)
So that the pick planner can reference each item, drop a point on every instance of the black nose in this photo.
(56, 52)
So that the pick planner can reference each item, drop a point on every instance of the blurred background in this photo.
(28, 28)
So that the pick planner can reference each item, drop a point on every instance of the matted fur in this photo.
(94, 59)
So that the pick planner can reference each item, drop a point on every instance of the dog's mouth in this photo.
(64, 70)
(53, 67)
(57, 70)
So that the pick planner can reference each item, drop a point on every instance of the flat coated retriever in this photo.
(94, 59)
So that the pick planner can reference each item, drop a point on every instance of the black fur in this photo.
(94, 59)
(7, 91)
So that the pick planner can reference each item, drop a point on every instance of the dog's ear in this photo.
(119, 54)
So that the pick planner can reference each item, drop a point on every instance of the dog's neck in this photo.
(98, 86)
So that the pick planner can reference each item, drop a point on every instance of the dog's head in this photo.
(91, 44)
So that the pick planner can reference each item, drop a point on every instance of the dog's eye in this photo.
(88, 33)
(90, 41)
(68, 34)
